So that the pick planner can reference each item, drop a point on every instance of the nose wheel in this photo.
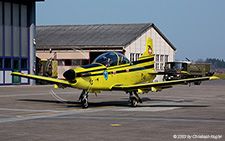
(84, 99)
(134, 99)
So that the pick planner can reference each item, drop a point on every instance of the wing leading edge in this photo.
(62, 83)
(159, 85)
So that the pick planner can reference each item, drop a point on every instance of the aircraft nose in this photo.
(69, 74)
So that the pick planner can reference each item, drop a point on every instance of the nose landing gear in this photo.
(84, 99)
(134, 99)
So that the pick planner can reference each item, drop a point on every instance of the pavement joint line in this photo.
(26, 110)
(35, 114)
(143, 119)
(50, 115)
(18, 95)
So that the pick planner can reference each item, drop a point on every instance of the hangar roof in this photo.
(91, 36)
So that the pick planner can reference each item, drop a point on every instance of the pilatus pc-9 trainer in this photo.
(112, 71)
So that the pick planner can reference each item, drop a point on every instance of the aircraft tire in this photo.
(133, 101)
(84, 102)
(198, 83)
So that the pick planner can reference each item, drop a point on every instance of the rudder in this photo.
(147, 58)
(148, 49)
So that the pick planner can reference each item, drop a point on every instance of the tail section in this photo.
(147, 58)
(148, 49)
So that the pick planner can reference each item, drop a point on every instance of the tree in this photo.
(218, 63)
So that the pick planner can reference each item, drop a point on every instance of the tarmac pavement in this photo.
(178, 113)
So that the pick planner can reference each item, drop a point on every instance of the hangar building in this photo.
(75, 45)
(17, 34)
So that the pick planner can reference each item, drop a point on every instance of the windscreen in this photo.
(111, 59)
(107, 59)
(176, 66)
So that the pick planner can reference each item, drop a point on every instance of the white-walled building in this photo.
(75, 45)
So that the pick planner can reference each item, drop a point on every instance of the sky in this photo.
(195, 27)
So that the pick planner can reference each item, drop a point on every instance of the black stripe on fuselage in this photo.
(143, 61)
(149, 67)
(123, 71)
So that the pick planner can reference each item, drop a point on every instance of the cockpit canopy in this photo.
(111, 59)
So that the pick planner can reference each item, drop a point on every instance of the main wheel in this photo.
(84, 102)
(133, 101)
(198, 82)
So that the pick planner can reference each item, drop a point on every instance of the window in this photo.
(85, 62)
(122, 59)
(60, 62)
(8, 28)
(68, 62)
(157, 58)
(137, 56)
(161, 58)
(1, 63)
(1, 30)
(166, 58)
(15, 64)
(76, 62)
(24, 64)
(161, 66)
(7, 63)
(157, 66)
(24, 31)
(107, 59)
(16, 30)
(131, 57)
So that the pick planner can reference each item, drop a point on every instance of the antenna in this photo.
(187, 59)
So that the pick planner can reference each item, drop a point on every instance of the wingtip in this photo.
(13, 73)
(213, 78)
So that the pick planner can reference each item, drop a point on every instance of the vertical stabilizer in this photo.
(148, 48)
(147, 58)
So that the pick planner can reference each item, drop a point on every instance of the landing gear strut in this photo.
(134, 99)
(84, 99)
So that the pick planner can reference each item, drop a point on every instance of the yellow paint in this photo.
(56, 86)
(115, 125)
(143, 91)
(213, 78)
(140, 76)
(185, 72)
(149, 44)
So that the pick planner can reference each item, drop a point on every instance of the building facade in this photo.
(17, 38)
(76, 45)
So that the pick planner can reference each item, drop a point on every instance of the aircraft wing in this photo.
(62, 83)
(157, 86)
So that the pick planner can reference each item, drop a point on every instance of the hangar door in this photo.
(94, 55)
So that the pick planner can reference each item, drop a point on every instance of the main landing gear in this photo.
(134, 99)
(84, 99)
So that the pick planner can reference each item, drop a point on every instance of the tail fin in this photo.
(148, 49)
(147, 58)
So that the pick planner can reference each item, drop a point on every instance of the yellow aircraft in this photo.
(113, 71)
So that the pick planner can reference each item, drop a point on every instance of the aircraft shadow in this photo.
(70, 104)
(171, 105)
